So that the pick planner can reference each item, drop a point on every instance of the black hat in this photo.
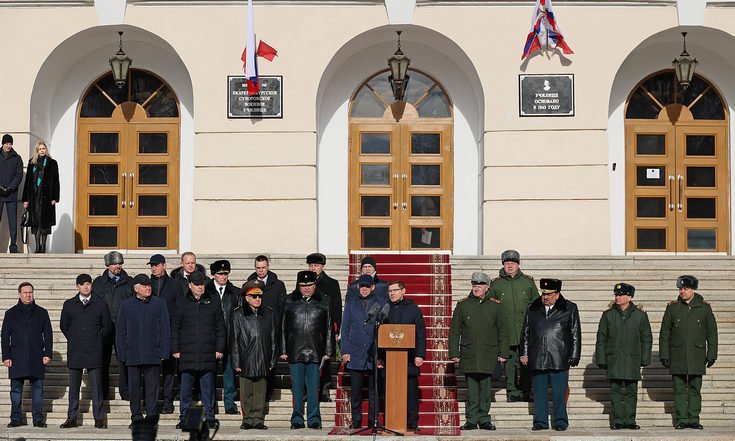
(317, 258)
(306, 278)
(254, 286)
(220, 267)
(549, 286)
(197, 278)
(7, 139)
(156, 259)
(368, 260)
(84, 278)
(624, 289)
(141, 279)
(687, 281)
(510, 256)
(365, 280)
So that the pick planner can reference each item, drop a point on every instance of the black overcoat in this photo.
(553, 342)
(11, 174)
(49, 191)
(27, 338)
(198, 331)
(306, 331)
(87, 329)
(253, 341)
(406, 312)
(113, 293)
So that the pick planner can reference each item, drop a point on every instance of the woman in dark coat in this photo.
(41, 193)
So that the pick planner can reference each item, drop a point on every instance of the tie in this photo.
(85, 301)
(221, 291)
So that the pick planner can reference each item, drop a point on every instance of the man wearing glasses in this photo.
(551, 343)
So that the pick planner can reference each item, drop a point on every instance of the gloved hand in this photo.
(573, 362)
(666, 363)
(710, 363)
(4, 191)
(602, 366)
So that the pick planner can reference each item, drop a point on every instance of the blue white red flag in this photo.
(544, 31)
(250, 59)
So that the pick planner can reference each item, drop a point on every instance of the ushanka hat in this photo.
(687, 281)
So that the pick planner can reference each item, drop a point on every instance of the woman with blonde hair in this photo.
(41, 193)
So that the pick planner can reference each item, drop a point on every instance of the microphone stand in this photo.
(376, 428)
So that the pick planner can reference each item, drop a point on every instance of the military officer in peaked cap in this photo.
(623, 346)
(687, 347)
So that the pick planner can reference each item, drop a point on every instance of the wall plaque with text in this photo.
(267, 103)
(546, 95)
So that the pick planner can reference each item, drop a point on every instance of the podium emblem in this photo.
(396, 335)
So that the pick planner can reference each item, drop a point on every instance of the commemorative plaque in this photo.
(546, 95)
(267, 103)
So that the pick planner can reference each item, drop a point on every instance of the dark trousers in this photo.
(412, 414)
(229, 391)
(206, 387)
(122, 376)
(687, 398)
(479, 389)
(357, 380)
(16, 398)
(305, 374)
(169, 368)
(559, 393)
(75, 383)
(517, 376)
(624, 400)
(152, 381)
(252, 396)
(12, 220)
(325, 380)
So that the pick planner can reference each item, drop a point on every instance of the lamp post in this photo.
(684, 66)
(120, 65)
(398, 78)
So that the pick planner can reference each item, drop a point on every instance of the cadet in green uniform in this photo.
(623, 346)
(515, 291)
(477, 341)
(687, 346)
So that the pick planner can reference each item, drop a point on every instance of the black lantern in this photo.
(120, 65)
(398, 79)
(684, 66)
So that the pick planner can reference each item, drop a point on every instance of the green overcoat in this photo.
(624, 342)
(688, 336)
(477, 335)
(515, 294)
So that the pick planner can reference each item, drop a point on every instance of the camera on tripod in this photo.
(194, 421)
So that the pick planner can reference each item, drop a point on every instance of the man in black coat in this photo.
(188, 265)
(11, 175)
(306, 342)
(198, 340)
(403, 311)
(27, 344)
(220, 286)
(370, 267)
(87, 326)
(551, 343)
(113, 286)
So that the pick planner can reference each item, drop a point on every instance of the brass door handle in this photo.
(124, 189)
(671, 192)
(131, 204)
(404, 204)
(395, 191)
(680, 205)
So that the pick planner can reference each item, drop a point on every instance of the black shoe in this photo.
(168, 408)
(514, 399)
(40, 424)
(212, 424)
(260, 426)
(614, 426)
(315, 426)
(696, 426)
(100, 424)
(355, 425)
(13, 249)
(680, 426)
(325, 398)
(633, 426)
(297, 426)
(487, 426)
(538, 427)
(468, 426)
(232, 411)
(560, 428)
(246, 426)
(178, 425)
(13, 423)
(69, 423)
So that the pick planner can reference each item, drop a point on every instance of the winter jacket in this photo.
(552, 343)
(143, 334)
(49, 190)
(306, 331)
(169, 290)
(688, 336)
(87, 329)
(477, 335)
(624, 342)
(274, 294)
(11, 174)
(179, 275)
(253, 341)
(358, 334)
(26, 339)
(381, 289)
(113, 293)
(405, 312)
(330, 288)
(229, 301)
(515, 294)
(198, 332)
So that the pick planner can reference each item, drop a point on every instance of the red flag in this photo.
(266, 51)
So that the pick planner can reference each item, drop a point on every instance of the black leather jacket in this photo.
(555, 342)
(253, 341)
(306, 328)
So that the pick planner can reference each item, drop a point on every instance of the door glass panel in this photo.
(103, 174)
(104, 142)
(435, 105)
(367, 105)
(103, 205)
(163, 105)
(425, 174)
(152, 143)
(650, 144)
(651, 176)
(152, 174)
(700, 176)
(103, 237)
(651, 239)
(149, 205)
(375, 143)
(425, 238)
(425, 143)
(375, 206)
(425, 205)
(700, 145)
(375, 174)
(701, 208)
(375, 237)
(152, 237)
(96, 105)
(701, 239)
(651, 207)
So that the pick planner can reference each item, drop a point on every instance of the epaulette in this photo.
(705, 302)
(497, 278)
(527, 276)
(610, 305)
(673, 302)
(496, 300)
(640, 307)
(462, 300)
(268, 307)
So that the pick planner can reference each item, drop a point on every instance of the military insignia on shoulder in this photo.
(527, 276)
(496, 300)
(640, 307)
(705, 302)
(497, 278)
(462, 299)
(611, 304)
(673, 302)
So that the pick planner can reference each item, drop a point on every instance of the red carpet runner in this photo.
(428, 284)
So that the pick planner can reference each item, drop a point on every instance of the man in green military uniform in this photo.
(623, 346)
(515, 291)
(687, 346)
(478, 341)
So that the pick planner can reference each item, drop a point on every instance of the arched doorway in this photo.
(677, 173)
(127, 181)
(401, 173)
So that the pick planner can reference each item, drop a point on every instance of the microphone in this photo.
(372, 313)
(384, 311)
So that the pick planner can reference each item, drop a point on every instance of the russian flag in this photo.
(250, 61)
(543, 29)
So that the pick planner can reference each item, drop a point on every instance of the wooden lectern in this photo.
(396, 340)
